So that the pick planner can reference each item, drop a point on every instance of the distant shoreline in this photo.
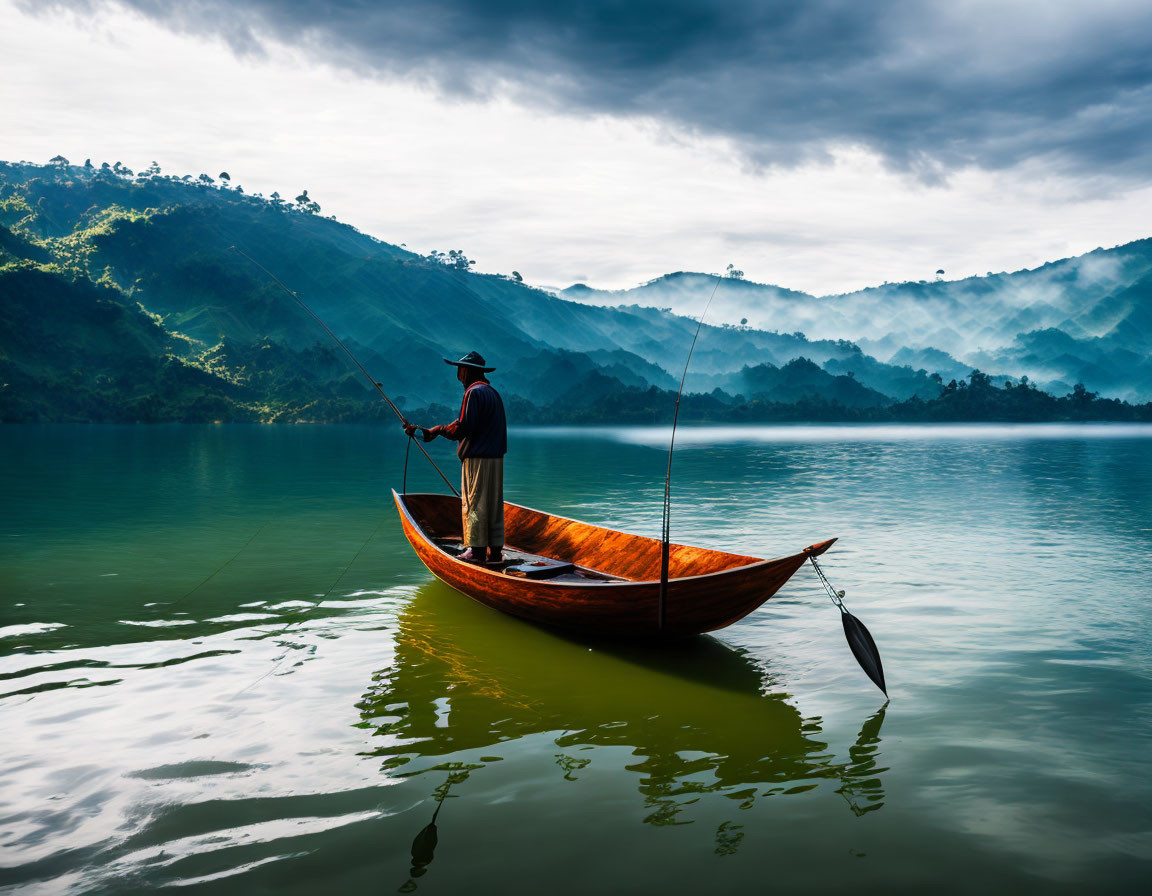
(1055, 428)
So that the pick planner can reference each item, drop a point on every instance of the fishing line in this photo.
(339, 579)
(407, 451)
(219, 569)
(336, 338)
(666, 530)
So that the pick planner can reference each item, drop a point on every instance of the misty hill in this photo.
(1086, 319)
(161, 248)
(122, 298)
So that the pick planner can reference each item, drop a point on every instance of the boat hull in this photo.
(707, 590)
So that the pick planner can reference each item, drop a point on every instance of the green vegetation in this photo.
(121, 300)
(973, 400)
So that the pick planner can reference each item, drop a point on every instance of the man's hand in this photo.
(428, 434)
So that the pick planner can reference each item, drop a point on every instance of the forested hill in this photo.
(121, 299)
(1086, 319)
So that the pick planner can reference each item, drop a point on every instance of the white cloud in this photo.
(557, 197)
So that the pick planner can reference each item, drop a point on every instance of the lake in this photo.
(222, 667)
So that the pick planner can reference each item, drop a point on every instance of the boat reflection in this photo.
(697, 715)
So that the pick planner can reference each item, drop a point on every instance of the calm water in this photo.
(294, 722)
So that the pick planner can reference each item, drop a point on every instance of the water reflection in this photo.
(424, 845)
(698, 718)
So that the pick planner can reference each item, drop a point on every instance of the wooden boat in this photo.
(598, 581)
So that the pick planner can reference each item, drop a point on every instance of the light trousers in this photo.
(482, 501)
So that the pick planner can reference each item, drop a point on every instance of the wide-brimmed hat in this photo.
(472, 359)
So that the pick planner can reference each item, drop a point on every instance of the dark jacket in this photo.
(481, 428)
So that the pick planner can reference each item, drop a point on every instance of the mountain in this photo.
(802, 379)
(1100, 303)
(141, 297)
(73, 350)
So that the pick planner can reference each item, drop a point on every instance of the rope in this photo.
(328, 330)
(666, 531)
(836, 596)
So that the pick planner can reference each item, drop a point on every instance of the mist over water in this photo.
(658, 436)
(222, 665)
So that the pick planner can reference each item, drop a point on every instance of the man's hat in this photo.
(472, 359)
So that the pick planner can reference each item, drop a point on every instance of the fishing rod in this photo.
(371, 379)
(859, 639)
(666, 531)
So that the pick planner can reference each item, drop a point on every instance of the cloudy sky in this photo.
(823, 145)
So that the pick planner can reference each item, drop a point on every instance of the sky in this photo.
(823, 145)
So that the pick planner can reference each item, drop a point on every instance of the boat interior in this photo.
(524, 564)
(541, 545)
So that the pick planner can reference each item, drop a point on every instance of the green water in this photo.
(293, 723)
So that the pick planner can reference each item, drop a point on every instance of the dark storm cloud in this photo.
(928, 85)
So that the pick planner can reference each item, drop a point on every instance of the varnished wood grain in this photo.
(707, 589)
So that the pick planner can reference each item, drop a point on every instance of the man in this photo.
(482, 433)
